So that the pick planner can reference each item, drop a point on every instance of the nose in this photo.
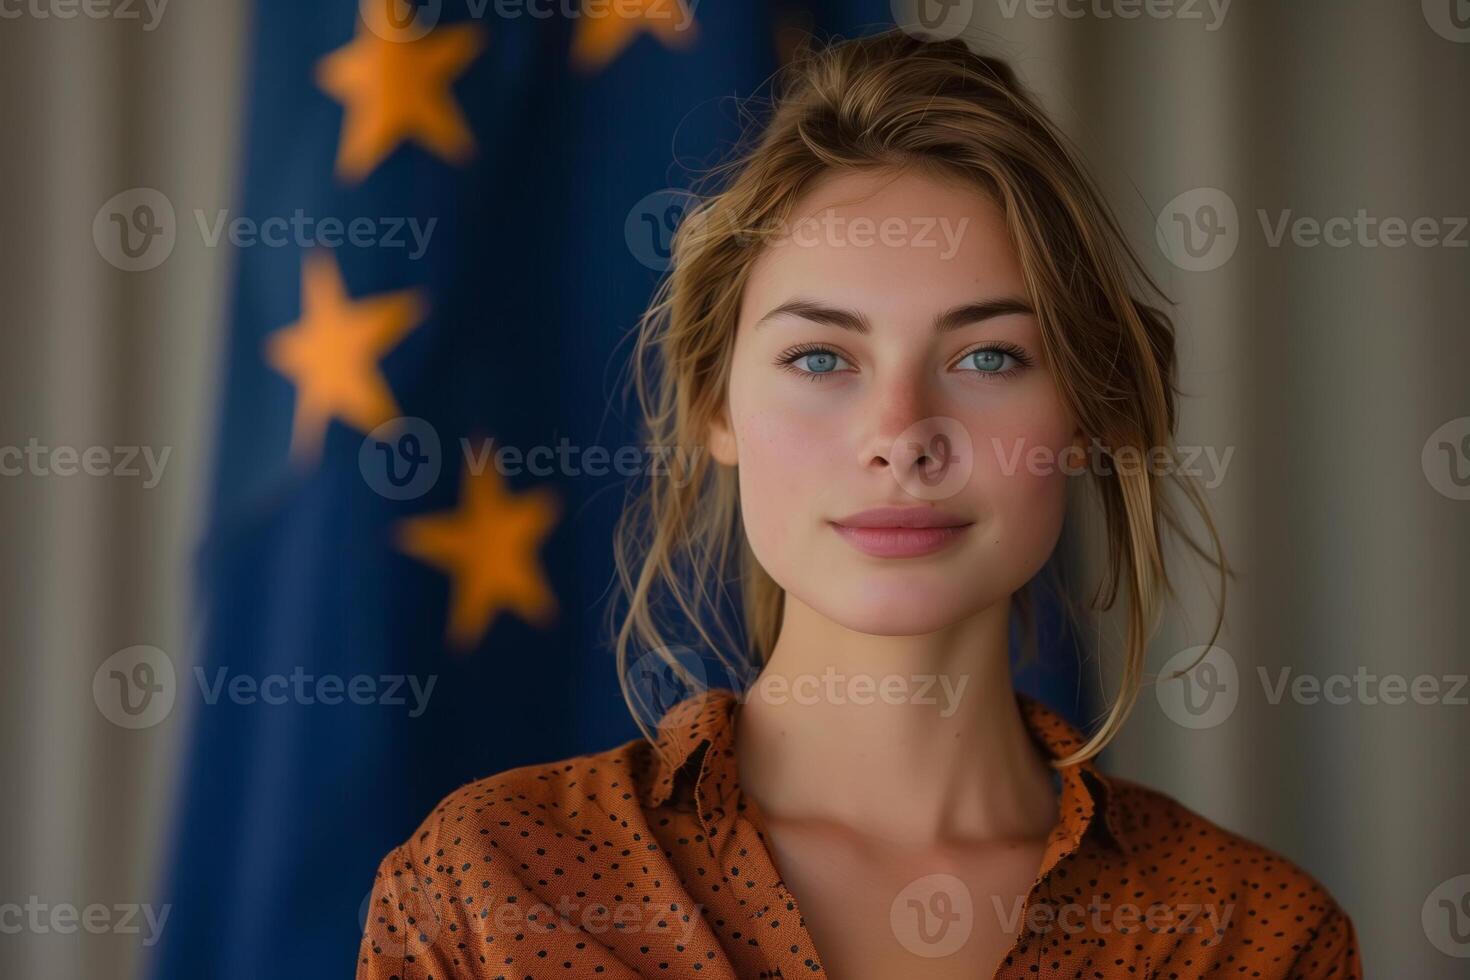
(897, 436)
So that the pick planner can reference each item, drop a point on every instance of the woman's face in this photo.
(886, 357)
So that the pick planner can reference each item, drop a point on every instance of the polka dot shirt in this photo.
(621, 864)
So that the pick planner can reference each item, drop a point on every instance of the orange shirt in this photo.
(616, 865)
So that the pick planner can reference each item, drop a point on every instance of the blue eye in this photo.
(990, 361)
(997, 360)
(812, 362)
(819, 363)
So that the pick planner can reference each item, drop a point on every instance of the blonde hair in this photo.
(893, 101)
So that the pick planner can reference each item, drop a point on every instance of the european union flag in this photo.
(463, 207)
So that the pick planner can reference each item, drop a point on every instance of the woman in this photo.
(900, 328)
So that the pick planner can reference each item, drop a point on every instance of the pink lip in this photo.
(900, 532)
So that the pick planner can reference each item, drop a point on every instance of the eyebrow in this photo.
(951, 319)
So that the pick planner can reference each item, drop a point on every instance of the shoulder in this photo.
(497, 861)
(555, 805)
(1160, 827)
(616, 783)
(1247, 891)
(550, 795)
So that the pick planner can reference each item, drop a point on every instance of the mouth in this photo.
(901, 532)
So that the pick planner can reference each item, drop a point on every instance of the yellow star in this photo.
(488, 549)
(395, 90)
(604, 30)
(331, 354)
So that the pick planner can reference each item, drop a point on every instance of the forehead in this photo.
(898, 245)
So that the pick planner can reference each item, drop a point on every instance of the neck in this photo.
(913, 739)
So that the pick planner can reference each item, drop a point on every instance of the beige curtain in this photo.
(1325, 371)
(93, 356)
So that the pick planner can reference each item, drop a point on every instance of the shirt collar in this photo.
(703, 719)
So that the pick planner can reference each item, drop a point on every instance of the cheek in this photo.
(787, 462)
(1020, 477)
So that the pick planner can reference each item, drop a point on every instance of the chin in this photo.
(910, 608)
